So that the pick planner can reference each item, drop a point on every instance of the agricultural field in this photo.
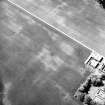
(39, 65)
(80, 19)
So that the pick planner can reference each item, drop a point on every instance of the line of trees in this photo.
(1, 91)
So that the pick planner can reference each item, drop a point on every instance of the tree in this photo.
(101, 3)
(81, 97)
(87, 100)
(81, 89)
(103, 77)
(87, 86)
(98, 83)
(93, 103)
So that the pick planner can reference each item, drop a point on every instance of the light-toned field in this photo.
(80, 19)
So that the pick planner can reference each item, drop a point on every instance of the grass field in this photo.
(43, 65)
